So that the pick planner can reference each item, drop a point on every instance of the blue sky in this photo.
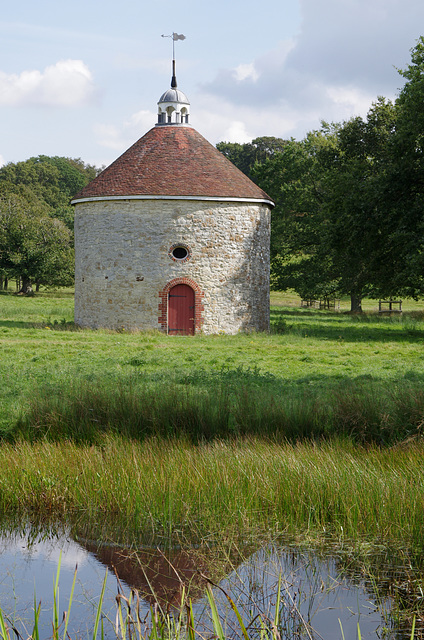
(82, 79)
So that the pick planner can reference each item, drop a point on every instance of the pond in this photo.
(321, 594)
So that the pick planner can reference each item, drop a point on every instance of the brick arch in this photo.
(198, 306)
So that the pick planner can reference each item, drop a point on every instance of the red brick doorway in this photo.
(181, 310)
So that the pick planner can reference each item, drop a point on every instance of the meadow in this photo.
(311, 433)
(307, 350)
(315, 426)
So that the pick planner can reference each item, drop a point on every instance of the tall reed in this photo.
(272, 615)
(142, 491)
(203, 406)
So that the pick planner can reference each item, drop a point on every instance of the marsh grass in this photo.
(225, 490)
(178, 623)
(201, 406)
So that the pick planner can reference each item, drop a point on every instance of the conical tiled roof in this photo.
(172, 161)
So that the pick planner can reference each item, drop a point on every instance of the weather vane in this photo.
(174, 36)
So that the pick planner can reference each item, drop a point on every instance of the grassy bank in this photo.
(306, 351)
(232, 403)
(222, 490)
(315, 426)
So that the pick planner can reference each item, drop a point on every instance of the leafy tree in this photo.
(36, 219)
(244, 156)
(355, 206)
(349, 199)
(328, 234)
(296, 180)
(33, 246)
(405, 182)
(51, 180)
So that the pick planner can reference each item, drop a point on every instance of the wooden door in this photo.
(181, 310)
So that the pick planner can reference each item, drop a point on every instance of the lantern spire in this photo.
(175, 37)
(173, 105)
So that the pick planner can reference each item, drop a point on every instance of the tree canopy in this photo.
(34, 247)
(51, 180)
(36, 219)
(349, 199)
(245, 156)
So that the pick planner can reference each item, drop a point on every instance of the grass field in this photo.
(306, 349)
(316, 375)
(311, 431)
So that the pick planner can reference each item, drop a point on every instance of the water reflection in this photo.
(159, 577)
(316, 598)
(28, 570)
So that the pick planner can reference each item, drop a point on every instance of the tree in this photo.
(349, 199)
(244, 156)
(33, 246)
(35, 194)
(296, 180)
(355, 206)
(404, 188)
(50, 180)
(329, 229)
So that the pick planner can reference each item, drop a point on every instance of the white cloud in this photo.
(245, 71)
(121, 137)
(219, 120)
(68, 83)
(2, 161)
(343, 57)
(236, 132)
(348, 101)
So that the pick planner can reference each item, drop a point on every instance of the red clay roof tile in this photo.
(172, 161)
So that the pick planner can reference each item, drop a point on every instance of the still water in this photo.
(317, 599)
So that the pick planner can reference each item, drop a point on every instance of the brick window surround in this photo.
(163, 303)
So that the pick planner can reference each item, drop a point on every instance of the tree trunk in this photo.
(355, 303)
(26, 287)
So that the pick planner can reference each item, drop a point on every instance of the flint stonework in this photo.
(123, 264)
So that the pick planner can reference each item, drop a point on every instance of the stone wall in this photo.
(123, 263)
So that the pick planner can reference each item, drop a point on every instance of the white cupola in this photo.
(173, 105)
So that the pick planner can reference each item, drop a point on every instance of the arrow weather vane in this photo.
(174, 36)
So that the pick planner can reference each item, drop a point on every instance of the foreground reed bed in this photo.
(202, 405)
(280, 620)
(147, 491)
(241, 613)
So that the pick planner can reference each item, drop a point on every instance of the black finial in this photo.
(175, 36)
(174, 77)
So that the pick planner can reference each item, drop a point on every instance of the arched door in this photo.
(181, 310)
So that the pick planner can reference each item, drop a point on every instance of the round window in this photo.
(179, 252)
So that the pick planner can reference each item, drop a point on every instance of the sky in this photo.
(82, 79)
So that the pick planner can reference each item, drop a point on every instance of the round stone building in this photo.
(172, 236)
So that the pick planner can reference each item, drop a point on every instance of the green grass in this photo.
(307, 353)
(173, 435)
(307, 349)
(226, 490)
(202, 406)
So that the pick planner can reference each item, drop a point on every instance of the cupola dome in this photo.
(173, 105)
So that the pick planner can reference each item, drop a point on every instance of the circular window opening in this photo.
(179, 253)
